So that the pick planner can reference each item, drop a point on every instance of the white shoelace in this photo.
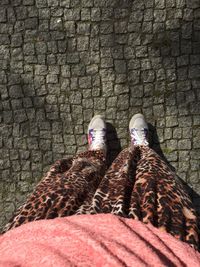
(139, 137)
(98, 139)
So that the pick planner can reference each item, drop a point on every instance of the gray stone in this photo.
(159, 15)
(96, 80)
(134, 38)
(72, 57)
(19, 116)
(57, 35)
(75, 3)
(85, 14)
(52, 78)
(117, 52)
(120, 66)
(75, 98)
(121, 78)
(184, 144)
(65, 70)
(85, 82)
(99, 103)
(3, 15)
(134, 64)
(106, 12)
(73, 83)
(107, 62)
(95, 14)
(15, 91)
(44, 13)
(87, 115)
(188, 14)
(87, 103)
(41, 3)
(41, 69)
(82, 43)
(111, 101)
(87, 3)
(53, 2)
(107, 88)
(196, 13)
(120, 27)
(107, 75)
(134, 77)
(171, 121)
(194, 72)
(148, 76)
(16, 104)
(3, 78)
(111, 113)
(70, 28)
(121, 89)
(83, 28)
(7, 117)
(29, 49)
(4, 39)
(121, 13)
(141, 51)
(186, 47)
(134, 26)
(196, 120)
(106, 27)
(95, 91)
(31, 23)
(172, 3)
(92, 69)
(78, 70)
(123, 102)
(186, 133)
(196, 143)
(192, 4)
(148, 14)
(77, 112)
(72, 14)
(136, 16)
(160, 4)
(107, 40)
(194, 178)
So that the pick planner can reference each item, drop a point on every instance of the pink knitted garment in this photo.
(93, 240)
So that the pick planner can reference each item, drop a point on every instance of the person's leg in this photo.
(68, 183)
(158, 196)
(114, 191)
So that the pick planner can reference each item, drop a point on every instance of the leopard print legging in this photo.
(138, 185)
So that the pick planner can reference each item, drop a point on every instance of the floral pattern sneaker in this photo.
(97, 133)
(138, 130)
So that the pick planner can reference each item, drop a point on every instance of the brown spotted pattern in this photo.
(66, 186)
(138, 185)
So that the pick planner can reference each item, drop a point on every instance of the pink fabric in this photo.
(93, 240)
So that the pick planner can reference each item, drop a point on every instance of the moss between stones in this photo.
(167, 150)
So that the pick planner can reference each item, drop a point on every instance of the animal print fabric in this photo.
(67, 185)
(138, 185)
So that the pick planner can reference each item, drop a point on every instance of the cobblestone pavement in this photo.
(62, 61)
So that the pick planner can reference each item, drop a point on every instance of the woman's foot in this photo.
(138, 130)
(97, 134)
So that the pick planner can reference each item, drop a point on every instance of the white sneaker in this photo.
(97, 133)
(138, 130)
